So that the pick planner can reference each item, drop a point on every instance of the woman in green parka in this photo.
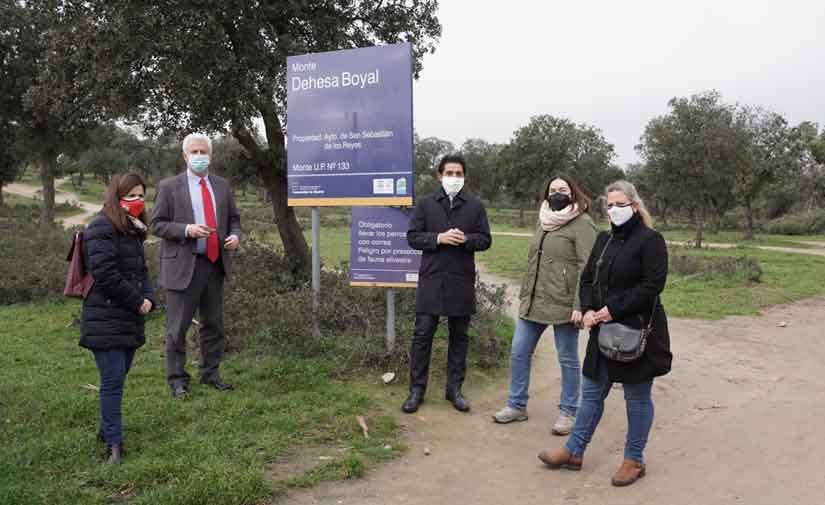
(550, 297)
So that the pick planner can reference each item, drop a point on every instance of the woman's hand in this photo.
(602, 316)
(145, 307)
(588, 320)
(576, 318)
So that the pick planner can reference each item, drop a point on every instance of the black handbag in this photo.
(620, 342)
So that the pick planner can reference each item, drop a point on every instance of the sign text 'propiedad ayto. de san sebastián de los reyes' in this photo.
(349, 125)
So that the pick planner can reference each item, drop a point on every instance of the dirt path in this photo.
(817, 251)
(738, 421)
(34, 192)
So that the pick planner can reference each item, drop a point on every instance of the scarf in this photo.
(138, 225)
(552, 221)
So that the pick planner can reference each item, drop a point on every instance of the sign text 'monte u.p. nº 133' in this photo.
(349, 126)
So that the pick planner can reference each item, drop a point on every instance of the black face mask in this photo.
(558, 201)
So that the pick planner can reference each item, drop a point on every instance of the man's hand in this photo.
(231, 243)
(453, 236)
(145, 307)
(198, 231)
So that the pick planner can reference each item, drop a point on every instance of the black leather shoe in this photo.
(459, 402)
(218, 384)
(115, 455)
(180, 391)
(413, 401)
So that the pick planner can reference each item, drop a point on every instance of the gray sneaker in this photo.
(508, 414)
(564, 425)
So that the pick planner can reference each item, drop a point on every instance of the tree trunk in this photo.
(715, 223)
(748, 220)
(271, 165)
(1, 193)
(47, 169)
(521, 216)
(700, 226)
(664, 216)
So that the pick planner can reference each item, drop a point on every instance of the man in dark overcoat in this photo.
(449, 226)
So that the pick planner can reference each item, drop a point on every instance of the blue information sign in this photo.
(380, 254)
(350, 137)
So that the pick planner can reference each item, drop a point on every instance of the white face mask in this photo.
(452, 185)
(620, 215)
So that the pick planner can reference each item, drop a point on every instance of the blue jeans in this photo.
(639, 406)
(113, 364)
(525, 339)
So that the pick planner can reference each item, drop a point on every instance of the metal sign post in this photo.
(390, 338)
(316, 271)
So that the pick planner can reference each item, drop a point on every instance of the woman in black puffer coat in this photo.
(122, 294)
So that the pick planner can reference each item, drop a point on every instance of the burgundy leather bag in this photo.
(78, 281)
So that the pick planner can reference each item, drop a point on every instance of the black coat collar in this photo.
(458, 200)
(441, 194)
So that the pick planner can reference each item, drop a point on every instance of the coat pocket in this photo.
(169, 252)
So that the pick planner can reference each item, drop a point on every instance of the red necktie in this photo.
(211, 221)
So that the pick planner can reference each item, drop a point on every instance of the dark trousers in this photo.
(113, 365)
(422, 346)
(204, 295)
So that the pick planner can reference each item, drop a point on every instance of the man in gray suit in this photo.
(196, 216)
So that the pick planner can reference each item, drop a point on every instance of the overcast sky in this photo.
(615, 64)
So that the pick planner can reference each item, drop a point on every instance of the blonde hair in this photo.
(630, 192)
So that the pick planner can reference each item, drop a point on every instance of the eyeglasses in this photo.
(620, 205)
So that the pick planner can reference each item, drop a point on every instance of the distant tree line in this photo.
(73, 73)
(702, 162)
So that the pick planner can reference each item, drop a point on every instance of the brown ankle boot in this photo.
(560, 458)
(628, 473)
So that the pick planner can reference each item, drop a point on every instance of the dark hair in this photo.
(577, 194)
(452, 158)
(118, 187)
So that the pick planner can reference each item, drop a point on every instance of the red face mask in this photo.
(133, 207)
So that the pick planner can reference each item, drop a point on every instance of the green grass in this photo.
(687, 235)
(91, 191)
(30, 176)
(507, 256)
(737, 237)
(12, 200)
(335, 243)
(786, 277)
(61, 210)
(213, 448)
